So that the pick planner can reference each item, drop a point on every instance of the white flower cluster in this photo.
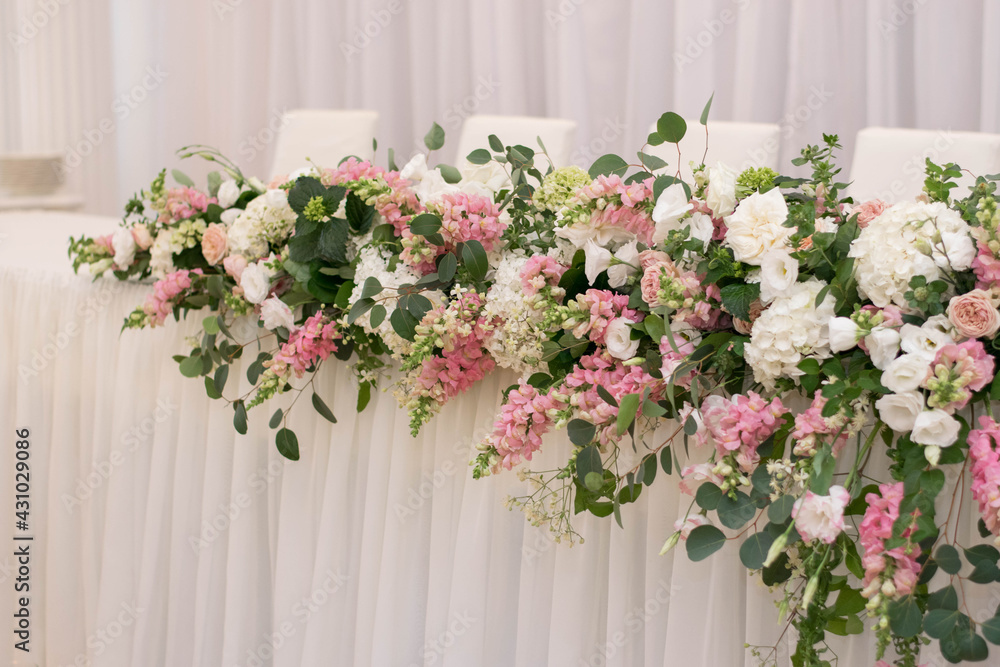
(267, 219)
(515, 342)
(171, 241)
(374, 262)
(910, 239)
(792, 329)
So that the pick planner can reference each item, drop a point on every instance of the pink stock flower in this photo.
(986, 266)
(523, 420)
(699, 472)
(315, 340)
(986, 471)
(160, 303)
(540, 271)
(958, 371)
(234, 265)
(351, 170)
(739, 427)
(812, 429)
(898, 566)
(183, 203)
(602, 306)
(671, 359)
(868, 211)
(627, 206)
(105, 242)
(821, 517)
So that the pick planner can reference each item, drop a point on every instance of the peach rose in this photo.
(868, 211)
(746, 326)
(234, 265)
(650, 282)
(974, 315)
(143, 239)
(649, 257)
(213, 243)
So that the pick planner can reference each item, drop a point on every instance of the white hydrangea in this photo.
(791, 329)
(267, 219)
(515, 342)
(161, 254)
(910, 239)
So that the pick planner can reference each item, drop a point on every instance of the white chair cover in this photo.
(324, 136)
(889, 163)
(737, 145)
(558, 134)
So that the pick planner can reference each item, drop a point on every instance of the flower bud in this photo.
(777, 547)
(634, 361)
(670, 543)
(811, 588)
(888, 588)
(933, 454)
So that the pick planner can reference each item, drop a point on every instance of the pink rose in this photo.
(821, 517)
(973, 314)
(143, 239)
(868, 211)
(213, 243)
(746, 326)
(650, 282)
(649, 257)
(234, 265)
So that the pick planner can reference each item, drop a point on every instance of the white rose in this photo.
(757, 226)
(935, 428)
(228, 193)
(415, 169)
(491, 175)
(277, 198)
(124, 244)
(721, 193)
(900, 411)
(925, 340)
(618, 274)
(702, 228)
(906, 373)
(843, 334)
(256, 283)
(883, 346)
(230, 215)
(778, 272)
(275, 313)
(618, 338)
(959, 248)
(433, 186)
(670, 208)
(598, 259)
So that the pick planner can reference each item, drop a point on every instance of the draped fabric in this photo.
(163, 538)
(118, 85)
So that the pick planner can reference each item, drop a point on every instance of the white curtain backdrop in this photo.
(119, 85)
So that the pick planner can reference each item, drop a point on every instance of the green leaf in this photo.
(753, 552)
(627, 409)
(425, 224)
(651, 162)
(781, 509)
(945, 598)
(991, 629)
(378, 315)
(588, 460)
(221, 375)
(704, 541)
(360, 307)
(735, 512)
(704, 112)
(905, 617)
(364, 395)
(606, 165)
(654, 139)
(182, 178)
(671, 127)
(403, 323)
(479, 156)
(323, 408)
(434, 139)
(809, 366)
(449, 173)
(948, 560)
(240, 417)
(447, 266)
(581, 432)
(211, 390)
(288, 444)
(191, 367)
(738, 297)
(371, 288)
(474, 258)
(666, 462)
(333, 241)
(939, 623)
(495, 143)
(276, 418)
(708, 496)
(214, 182)
(849, 601)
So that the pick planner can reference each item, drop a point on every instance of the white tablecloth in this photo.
(163, 538)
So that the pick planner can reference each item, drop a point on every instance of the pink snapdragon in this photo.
(166, 292)
(315, 340)
(959, 369)
(986, 266)
(739, 427)
(812, 429)
(464, 217)
(986, 471)
(540, 271)
(670, 360)
(351, 170)
(699, 472)
(183, 203)
(898, 567)
(525, 417)
(628, 206)
(597, 309)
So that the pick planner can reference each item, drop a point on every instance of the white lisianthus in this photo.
(618, 338)
(906, 373)
(721, 192)
(924, 340)
(628, 254)
(161, 254)
(883, 346)
(433, 186)
(124, 244)
(899, 411)
(844, 334)
(900, 244)
(778, 272)
(230, 215)
(598, 259)
(256, 282)
(757, 226)
(275, 313)
(491, 176)
(702, 228)
(415, 169)
(821, 517)
(228, 193)
(671, 206)
(935, 428)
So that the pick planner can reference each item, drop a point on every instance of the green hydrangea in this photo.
(756, 179)
(559, 186)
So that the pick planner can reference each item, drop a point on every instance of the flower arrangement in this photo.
(829, 359)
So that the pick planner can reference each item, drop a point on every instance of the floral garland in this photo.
(624, 296)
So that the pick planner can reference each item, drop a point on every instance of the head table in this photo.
(163, 538)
